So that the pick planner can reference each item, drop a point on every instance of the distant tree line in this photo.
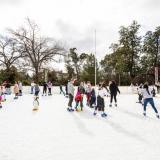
(132, 59)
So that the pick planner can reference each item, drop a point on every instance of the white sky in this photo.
(74, 21)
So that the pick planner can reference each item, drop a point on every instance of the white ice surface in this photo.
(52, 133)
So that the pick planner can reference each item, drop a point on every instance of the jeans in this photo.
(149, 100)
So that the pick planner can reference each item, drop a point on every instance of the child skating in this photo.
(36, 97)
(100, 101)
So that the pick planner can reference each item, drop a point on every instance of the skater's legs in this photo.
(111, 98)
(153, 105)
(115, 99)
(70, 100)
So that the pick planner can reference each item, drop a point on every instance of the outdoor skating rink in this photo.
(53, 133)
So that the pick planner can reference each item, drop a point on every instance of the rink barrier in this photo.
(56, 89)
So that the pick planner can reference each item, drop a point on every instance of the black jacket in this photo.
(113, 88)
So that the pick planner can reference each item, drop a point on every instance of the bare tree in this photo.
(10, 53)
(38, 51)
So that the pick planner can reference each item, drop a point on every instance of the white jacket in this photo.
(145, 93)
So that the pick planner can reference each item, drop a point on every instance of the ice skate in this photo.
(110, 105)
(115, 105)
(94, 113)
(157, 116)
(104, 115)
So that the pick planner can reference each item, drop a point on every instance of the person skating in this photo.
(16, 90)
(49, 88)
(70, 94)
(66, 88)
(88, 92)
(45, 89)
(93, 98)
(140, 96)
(36, 97)
(113, 91)
(100, 101)
(20, 88)
(79, 96)
(7, 88)
(36, 90)
(0, 101)
(148, 98)
(2, 93)
(61, 90)
(32, 87)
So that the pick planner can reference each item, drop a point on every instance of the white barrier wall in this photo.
(56, 90)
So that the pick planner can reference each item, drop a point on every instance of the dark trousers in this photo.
(70, 100)
(81, 104)
(44, 90)
(113, 95)
(100, 104)
(36, 93)
(149, 100)
(49, 91)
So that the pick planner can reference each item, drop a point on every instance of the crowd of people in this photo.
(94, 100)
(94, 97)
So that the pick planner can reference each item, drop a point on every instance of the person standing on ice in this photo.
(20, 88)
(79, 96)
(88, 92)
(71, 94)
(102, 92)
(16, 90)
(113, 91)
(36, 90)
(61, 90)
(45, 89)
(32, 87)
(148, 98)
(49, 88)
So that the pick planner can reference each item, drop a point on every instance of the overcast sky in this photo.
(74, 21)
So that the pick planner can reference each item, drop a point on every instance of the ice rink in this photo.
(52, 133)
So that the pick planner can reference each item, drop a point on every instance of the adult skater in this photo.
(45, 89)
(20, 88)
(71, 94)
(36, 90)
(61, 90)
(7, 88)
(148, 98)
(88, 92)
(140, 96)
(16, 90)
(93, 98)
(79, 96)
(113, 91)
(49, 88)
(32, 87)
(66, 88)
(102, 92)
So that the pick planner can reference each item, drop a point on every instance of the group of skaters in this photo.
(97, 101)
(47, 88)
(5, 89)
(94, 100)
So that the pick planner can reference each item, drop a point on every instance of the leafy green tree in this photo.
(88, 73)
(130, 44)
(75, 61)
